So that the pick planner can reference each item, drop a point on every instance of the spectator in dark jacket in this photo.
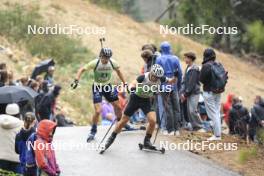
(21, 139)
(3, 77)
(47, 104)
(257, 117)
(212, 100)
(190, 91)
(238, 119)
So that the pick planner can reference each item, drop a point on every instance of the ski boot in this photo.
(109, 142)
(147, 145)
(91, 136)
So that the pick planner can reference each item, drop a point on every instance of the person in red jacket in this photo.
(227, 107)
(45, 156)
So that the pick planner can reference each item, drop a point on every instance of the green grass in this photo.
(58, 8)
(260, 136)
(246, 154)
(7, 173)
(67, 52)
(14, 25)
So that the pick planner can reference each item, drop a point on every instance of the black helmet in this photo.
(107, 52)
(209, 54)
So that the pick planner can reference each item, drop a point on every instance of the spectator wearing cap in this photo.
(9, 127)
(190, 91)
(49, 76)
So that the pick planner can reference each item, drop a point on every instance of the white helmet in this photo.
(12, 109)
(157, 70)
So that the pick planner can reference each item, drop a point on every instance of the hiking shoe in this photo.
(201, 130)
(172, 133)
(177, 133)
(214, 138)
(165, 132)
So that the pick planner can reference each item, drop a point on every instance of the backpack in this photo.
(219, 77)
(30, 155)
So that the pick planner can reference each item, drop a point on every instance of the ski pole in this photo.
(101, 41)
(106, 134)
(165, 107)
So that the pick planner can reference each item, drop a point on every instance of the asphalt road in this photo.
(123, 158)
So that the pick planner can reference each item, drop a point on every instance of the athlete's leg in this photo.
(97, 99)
(121, 123)
(150, 128)
(117, 109)
(96, 115)
(151, 122)
(131, 107)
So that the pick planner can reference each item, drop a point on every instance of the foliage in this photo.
(14, 25)
(255, 32)
(226, 13)
(122, 6)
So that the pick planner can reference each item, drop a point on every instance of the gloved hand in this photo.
(75, 84)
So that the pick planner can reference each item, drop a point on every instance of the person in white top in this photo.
(9, 127)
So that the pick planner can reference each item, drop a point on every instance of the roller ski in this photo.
(148, 146)
(151, 148)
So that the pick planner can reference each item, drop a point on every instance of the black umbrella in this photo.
(16, 94)
(42, 67)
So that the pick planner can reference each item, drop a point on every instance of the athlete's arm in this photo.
(133, 85)
(91, 65)
(120, 75)
(79, 73)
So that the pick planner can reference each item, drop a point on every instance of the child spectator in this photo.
(45, 158)
(21, 139)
